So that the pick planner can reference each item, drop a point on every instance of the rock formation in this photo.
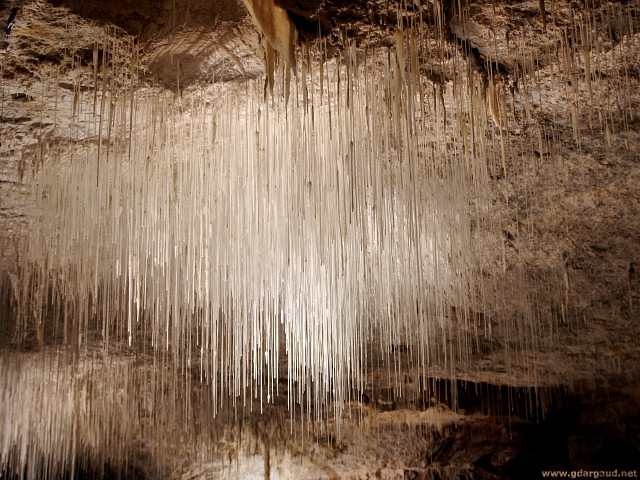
(413, 258)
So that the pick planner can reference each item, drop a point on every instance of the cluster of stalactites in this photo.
(310, 238)
(272, 240)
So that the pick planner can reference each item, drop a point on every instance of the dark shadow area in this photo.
(84, 469)
(588, 436)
